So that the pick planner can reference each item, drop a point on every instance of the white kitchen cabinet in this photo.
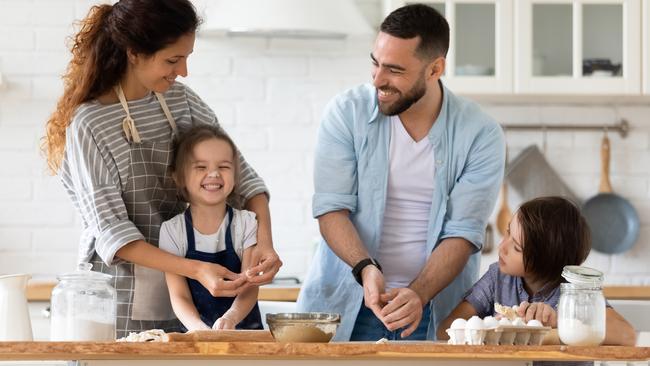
(480, 45)
(577, 46)
(646, 47)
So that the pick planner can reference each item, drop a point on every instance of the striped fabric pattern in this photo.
(95, 167)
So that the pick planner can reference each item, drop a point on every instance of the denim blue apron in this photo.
(211, 308)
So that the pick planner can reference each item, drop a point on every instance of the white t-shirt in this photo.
(173, 238)
(402, 249)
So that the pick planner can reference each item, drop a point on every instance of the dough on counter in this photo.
(151, 335)
(382, 341)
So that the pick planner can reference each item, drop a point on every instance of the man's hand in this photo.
(267, 264)
(219, 281)
(224, 323)
(540, 311)
(404, 309)
(373, 288)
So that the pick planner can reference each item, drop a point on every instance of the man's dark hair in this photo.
(420, 20)
(555, 235)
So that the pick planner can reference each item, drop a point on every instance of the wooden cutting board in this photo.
(220, 336)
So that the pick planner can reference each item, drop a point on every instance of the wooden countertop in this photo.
(41, 291)
(322, 351)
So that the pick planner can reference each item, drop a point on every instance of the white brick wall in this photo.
(269, 94)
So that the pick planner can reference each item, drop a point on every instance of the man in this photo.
(406, 175)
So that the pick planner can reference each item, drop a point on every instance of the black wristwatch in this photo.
(356, 270)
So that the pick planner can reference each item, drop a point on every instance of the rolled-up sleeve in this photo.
(475, 191)
(250, 183)
(96, 194)
(335, 164)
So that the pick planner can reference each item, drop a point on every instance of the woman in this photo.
(110, 140)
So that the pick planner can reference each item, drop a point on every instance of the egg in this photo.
(518, 321)
(458, 324)
(474, 323)
(534, 323)
(504, 321)
(490, 322)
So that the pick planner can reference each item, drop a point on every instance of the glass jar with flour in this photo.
(83, 306)
(581, 309)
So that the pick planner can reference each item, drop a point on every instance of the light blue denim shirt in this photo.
(351, 173)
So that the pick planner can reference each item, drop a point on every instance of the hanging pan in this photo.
(613, 221)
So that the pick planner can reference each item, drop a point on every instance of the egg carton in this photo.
(520, 335)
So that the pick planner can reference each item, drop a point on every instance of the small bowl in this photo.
(303, 327)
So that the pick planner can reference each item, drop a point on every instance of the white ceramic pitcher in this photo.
(14, 313)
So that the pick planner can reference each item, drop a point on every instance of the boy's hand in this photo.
(540, 311)
(224, 323)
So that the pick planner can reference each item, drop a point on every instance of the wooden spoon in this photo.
(504, 215)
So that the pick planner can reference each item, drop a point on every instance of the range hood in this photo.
(285, 18)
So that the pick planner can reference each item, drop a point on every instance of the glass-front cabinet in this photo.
(480, 50)
(577, 46)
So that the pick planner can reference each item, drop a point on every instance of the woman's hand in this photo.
(224, 323)
(266, 262)
(540, 311)
(219, 281)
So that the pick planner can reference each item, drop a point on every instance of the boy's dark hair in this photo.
(421, 20)
(183, 149)
(555, 234)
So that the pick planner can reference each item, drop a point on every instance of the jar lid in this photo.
(583, 276)
(83, 273)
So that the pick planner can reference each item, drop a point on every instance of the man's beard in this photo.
(405, 102)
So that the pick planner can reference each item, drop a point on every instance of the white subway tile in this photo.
(582, 115)
(508, 114)
(60, 12)
(292, 90)
(49, 190)
(211, 63)
(53, 38)
(296, 263)
(51, 63)
(18, 138)
(635, 260)
(14, 240)
(288, 212)
(15, 189)
(17, 12)
(21, 164)
(231, 46)
(17, 38)
(306, 46)
(47, 87)
(15, 88)
(337, 67)
(277, 115)
(249, 140)
(227, 89)
(300, 139)
(26, 113)
(56, 240)
(38, 263)
(269, 66)
(34, 214)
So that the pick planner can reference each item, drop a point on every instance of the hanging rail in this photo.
(622, 127)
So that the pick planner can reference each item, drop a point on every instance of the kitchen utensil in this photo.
(303, 327)
(613, 221)
(220, 336)
(15, 324)
(83, 306)
(504, 215)
(532, 176)
(488, 243)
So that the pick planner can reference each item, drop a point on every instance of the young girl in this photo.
(110, 141)
(545, 235)
(205, 169)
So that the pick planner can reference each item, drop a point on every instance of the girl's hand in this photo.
(224, 323)
(540, 311)
(219, 281)
(266, 262)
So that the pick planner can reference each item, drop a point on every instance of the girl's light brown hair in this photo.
(184, 151)
(99, 57)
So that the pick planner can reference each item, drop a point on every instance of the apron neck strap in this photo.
(168, 114)
(128, 124)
